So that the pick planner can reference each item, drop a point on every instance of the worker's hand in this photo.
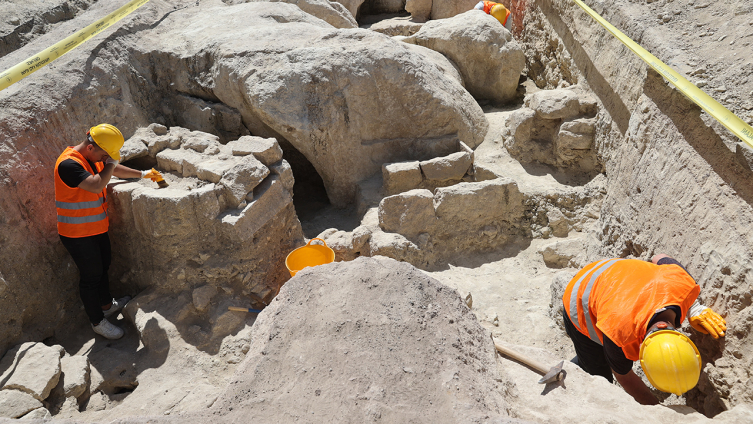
(110, 160)
(708, 322)
(152, 174)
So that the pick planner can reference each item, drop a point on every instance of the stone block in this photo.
(577, 134)
(408, 213)
(38, 414)
(181, 161)
(267, 150)
(75, 375)
(561, 103)
(157, 129)
(241, 179)
(447, 168)
(14, 403)
(475, 204)
(285, 172)
(132, 149)
(401, 176)
(34, 369)
(269, 198)
(213, 169)
(202, 296)
(201, 141)
(558, 222)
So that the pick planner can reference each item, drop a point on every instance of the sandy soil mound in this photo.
(371, 339)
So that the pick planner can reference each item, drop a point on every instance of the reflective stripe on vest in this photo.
(81, 219)
(599, 268)
(80, 205)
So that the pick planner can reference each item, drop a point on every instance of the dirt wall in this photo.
(674, 183)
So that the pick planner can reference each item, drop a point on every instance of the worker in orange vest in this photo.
(497, 10)
(82, 173)
(622, 310)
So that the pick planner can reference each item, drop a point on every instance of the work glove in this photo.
(152, 174)
(112, 161)
(706, 321)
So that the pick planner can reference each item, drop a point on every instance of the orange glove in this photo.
(152, 174)
(706, 321)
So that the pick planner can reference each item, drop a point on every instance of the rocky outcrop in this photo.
(488, 58)
(314, 97)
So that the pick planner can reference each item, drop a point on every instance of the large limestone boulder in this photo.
(400, 347)
(338, 97)
(489, 60)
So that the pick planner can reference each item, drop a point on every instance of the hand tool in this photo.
(556, 373)
(239, 309)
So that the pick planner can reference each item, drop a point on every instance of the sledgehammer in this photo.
(556, 373)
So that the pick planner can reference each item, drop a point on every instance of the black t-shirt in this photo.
(614, 354)
(72, 173)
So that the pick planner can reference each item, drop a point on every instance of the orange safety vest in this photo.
(618, 297)
(488, 5)
(80, 213)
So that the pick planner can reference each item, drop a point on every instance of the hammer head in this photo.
(554, 374)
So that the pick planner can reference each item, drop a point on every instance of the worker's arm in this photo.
(97, 182)
(635, 387)
(126, 172)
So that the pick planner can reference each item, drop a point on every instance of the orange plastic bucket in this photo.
(309, 255)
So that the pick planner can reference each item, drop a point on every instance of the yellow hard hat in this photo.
(671, 361)
(108, 138)
(500, 12)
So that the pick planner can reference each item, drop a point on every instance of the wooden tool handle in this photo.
(520, 358)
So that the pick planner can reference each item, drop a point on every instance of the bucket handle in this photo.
(316, 238)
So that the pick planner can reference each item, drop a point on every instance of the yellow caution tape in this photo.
(43, 58)
(711, 106)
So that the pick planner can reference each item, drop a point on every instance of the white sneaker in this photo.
(108, 330)
(117, 306)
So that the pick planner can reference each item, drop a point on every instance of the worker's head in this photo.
(670, 359)
(503, 15)
(106, 138)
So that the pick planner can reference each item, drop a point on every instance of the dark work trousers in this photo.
(92, 256)
(590, 354)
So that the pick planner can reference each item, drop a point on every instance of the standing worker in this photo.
(622, 310)
(82, 173)
(497, 10)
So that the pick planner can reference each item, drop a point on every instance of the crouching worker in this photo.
(497, 10)
(81, 176)
(622, 310)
